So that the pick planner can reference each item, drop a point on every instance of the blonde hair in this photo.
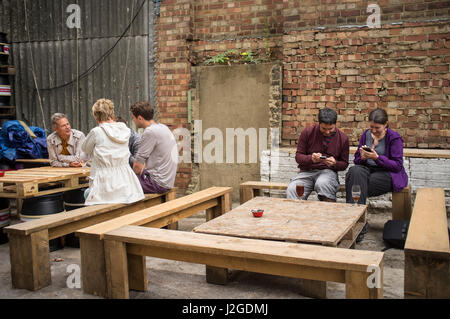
(103, 110)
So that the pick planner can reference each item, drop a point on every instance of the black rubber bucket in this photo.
(42, 206)
(4, 49)
(5, 90)
(73, 200)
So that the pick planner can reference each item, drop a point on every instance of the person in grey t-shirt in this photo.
(156, 161)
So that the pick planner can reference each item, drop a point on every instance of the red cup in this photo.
(257, 212)
(2, 173)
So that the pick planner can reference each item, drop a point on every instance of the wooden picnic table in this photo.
(312, 222)
(315, 222)
(35, 182)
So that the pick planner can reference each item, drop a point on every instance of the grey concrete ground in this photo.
(171, 279)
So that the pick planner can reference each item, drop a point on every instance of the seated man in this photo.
(64, 144)
(157, 158)
(322, 151)
(133, 143)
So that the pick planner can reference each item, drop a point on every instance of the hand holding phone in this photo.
(366, 148)
(323, 157)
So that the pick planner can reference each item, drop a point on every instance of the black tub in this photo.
(43, 206)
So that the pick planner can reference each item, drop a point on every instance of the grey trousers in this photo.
(325, 182)
(373, 182)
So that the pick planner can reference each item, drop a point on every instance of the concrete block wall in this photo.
(422, 172)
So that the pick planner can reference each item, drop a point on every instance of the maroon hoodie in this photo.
(311, 141)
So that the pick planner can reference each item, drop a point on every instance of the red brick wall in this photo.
(402, 67)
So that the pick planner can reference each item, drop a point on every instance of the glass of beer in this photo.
(300, 189)
(356, 193)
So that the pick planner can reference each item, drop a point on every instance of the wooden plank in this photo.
(309, 255)
(116, 270)
(401, 204)
(137, 272)
(30, 261)
(428, 232)
(93, 267)
(152, 214)
(53, 222)
(243, 263)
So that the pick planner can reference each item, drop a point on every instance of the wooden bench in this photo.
(427, 249)
(401, 201)
(124, 245)
(215, 200)
(29, 242)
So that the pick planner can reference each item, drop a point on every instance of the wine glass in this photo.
(356, 193)
(300, 189)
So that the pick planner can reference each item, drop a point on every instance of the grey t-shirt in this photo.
(158, 151)
(380, 148)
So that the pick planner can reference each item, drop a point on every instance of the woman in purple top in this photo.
(381, 170)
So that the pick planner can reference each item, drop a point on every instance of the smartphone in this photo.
(323, 157)
(366, 148)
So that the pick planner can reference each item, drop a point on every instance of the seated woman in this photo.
(379, 170)
(112, 180)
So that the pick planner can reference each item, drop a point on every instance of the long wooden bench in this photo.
(215, 200)
(126, 244)
(401, 201)
(427, 248)
(29, 242)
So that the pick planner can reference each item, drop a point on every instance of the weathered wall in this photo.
(330, 58)
(61, 55)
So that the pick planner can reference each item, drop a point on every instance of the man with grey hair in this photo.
(64, 144)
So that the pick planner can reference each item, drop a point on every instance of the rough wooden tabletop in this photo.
(287, 220)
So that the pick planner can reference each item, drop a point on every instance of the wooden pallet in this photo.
(7, 70)
(7, 111)
(32, 182)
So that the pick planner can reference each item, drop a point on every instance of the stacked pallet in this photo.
(7, 112)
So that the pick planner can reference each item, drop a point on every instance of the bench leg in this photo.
(171, 195)
(314, 288)
(93, 267)
(401, 204)
(216, 275)
(137, 272)
(245, 194)
(426, 277)
(116, 270)
(357, 286)
(30, 261)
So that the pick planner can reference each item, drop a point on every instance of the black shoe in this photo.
(361, 234)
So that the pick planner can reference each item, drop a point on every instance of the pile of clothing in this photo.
(18, 141)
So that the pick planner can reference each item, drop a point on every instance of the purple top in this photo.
(392, 161)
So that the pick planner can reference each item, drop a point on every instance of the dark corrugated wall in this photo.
(61, 55)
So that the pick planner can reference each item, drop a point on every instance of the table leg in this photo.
(216, 275)
(314, 288)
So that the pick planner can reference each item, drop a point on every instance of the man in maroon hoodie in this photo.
(322, 151)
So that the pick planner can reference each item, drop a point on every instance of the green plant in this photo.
(222, 58)
(248, 57)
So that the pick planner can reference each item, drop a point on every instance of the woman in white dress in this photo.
(112, 180)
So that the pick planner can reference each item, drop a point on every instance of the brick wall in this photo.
(403, 69)
(403, 66)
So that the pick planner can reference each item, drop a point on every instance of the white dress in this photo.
(111, 180)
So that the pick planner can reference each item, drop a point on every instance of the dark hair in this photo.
(378, 116)
(144, 109)
(327, 116)
(120, 119)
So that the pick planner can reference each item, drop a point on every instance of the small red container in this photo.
(257, 212)
(2, 173)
